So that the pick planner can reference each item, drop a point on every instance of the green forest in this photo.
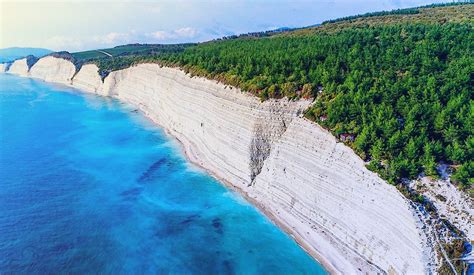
(403, 91)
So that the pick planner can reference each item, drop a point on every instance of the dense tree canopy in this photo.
(416, 10)
(403, 91)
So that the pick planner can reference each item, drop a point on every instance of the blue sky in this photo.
(79, 25)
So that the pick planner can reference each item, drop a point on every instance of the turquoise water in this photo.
(88, 185)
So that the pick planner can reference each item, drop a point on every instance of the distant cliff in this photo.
(10, 54)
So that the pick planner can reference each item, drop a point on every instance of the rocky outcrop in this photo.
(53, 69)
(451, 204)
(3, 67)
(88, 79)
(315, 188)
(19, 67)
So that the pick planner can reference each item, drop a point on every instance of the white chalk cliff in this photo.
(54, 70)
(88, 79)
(314, 187)
(19, 67)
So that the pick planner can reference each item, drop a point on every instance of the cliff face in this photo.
(322, 186)
(88, 79)
(226, 131)
(3, 67)
(314, 187)
(54, 70)
(19, 67)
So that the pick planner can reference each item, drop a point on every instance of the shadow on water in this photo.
(151, 173)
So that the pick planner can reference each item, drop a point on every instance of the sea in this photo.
(88, 185)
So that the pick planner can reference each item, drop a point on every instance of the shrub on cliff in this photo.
(31, 60)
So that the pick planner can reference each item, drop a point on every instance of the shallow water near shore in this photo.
(88, 185)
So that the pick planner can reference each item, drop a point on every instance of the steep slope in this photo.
(88, 79)
(19, 67)
(322, 184)
(169, 97)
(54, 70)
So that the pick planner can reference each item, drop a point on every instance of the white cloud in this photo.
(64, 42)
(160, 35)
(115, 38)
(186, 32)
(77, 43)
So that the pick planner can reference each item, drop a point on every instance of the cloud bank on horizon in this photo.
(79, 25)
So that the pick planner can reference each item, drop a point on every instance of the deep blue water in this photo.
(88, 185)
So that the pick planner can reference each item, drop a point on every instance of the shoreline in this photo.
(313, 253)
